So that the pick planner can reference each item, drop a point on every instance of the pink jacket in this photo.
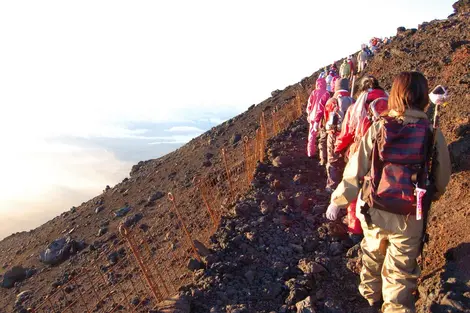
(316, 102)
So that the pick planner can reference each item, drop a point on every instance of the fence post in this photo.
(204, 199)
(125, 233)
(247, 161)
(228, 173)
(188, 235)
(299, 104)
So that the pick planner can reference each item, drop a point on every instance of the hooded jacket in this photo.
(316, 102)
(360, 164)
(352, 130)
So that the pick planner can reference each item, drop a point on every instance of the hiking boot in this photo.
(356, 238)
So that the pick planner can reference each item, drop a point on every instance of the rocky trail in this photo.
(278, 252)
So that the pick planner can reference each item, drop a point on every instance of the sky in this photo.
(89, 88)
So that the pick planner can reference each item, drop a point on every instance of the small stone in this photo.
(113, 258)
(454, 305)
(296, 248)
(235, 138)
(102, 231)
(22, 297)
(265, 208)
(250, 236)
(277, 185)
(99, 209)
(135, 301)
(282, 161)
(194, 265)
(155, 196)
(250, 276)
(207, 163)
(132, 220)
(300, 200)
(305, 306)
(295, 295)
(336, 248)
(310, 267)
(320, 294)
(272, 291)
(242, 210)
(300, 179)
(201, 248)
(310, 244)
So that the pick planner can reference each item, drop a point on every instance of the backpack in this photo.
(399, 159)
(342, 103)
(378, 108)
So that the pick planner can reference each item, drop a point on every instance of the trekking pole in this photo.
(438, 96)
(352, 85)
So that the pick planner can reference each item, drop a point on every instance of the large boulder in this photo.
(16, 274)
(60, 250)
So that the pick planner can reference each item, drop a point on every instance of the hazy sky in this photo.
(88, 88)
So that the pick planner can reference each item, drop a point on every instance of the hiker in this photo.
(323, 73)
(315, 110)
(352, 66)
(392, 233)
(335, 110)
(328, 80)
(361, 60)
(371, 103)
(345, 69)
(334, 69)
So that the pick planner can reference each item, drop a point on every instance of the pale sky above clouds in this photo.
(82, 83)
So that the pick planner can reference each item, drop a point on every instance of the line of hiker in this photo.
(378, 150)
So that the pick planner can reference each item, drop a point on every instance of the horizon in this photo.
(86, 101)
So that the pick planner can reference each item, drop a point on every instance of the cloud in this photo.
(177, 139)
(185, 129)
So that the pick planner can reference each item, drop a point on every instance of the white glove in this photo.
(332, 212)
(315, 127)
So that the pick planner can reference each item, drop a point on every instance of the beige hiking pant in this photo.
(393, 276)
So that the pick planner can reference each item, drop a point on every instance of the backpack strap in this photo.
(368, 182)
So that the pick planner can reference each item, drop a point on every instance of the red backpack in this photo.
(398, 165)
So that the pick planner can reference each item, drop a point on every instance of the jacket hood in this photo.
(321, 84)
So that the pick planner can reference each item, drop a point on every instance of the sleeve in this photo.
(443, 168)
(345, 138)
(321, 108)
(309, 104)
(329, 107)
(357, 167)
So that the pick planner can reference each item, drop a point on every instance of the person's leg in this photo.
(400, 274)
(322, 153)
(372, 261)
(311, 144)
(335, 166)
